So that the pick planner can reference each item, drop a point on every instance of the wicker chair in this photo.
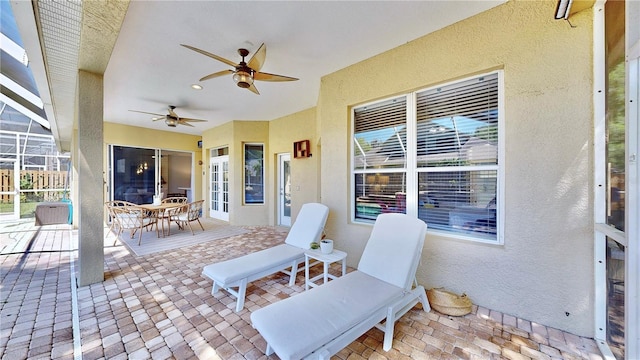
(187, 214)
(166, 215)
(175, 200)
(133, 218)
(110, 205)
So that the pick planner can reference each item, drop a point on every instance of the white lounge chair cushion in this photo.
(308, 226)
(230, 271)
(326, 311)
(393, 252)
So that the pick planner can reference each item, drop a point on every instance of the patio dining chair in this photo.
(175, 200)
(110, 205)
(185, 215)
(166, 214)
(133, 218)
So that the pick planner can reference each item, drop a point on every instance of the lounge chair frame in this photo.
(233, 275)
(320, 322)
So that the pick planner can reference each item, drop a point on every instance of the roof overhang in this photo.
(61, 39)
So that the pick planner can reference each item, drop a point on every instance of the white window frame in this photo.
(412, 169)
(244, 175)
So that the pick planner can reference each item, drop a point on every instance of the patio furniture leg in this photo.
(140, 237)
(294, 272)
(269, 350)
(242, 291)
(117, 236)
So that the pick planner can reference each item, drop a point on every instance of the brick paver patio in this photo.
(158, 306)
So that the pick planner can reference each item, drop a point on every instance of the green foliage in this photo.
(615, 117)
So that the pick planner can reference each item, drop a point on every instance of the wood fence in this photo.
(34, 184)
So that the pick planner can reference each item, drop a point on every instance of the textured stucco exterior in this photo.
(283, 132)
(234, 135)
(88, 166)
(278, 136)
(544, 270)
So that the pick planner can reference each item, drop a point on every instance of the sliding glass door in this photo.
(137, 174)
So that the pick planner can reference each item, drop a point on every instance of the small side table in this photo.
(326, 259)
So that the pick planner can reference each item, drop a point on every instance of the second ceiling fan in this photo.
(244, 73)
(171, 119)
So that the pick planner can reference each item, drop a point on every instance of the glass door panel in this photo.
(219, 197)
(134, 174)
(615, 297)
(284, 185)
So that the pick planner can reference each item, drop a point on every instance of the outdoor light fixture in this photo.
(562, 11)
(171, 122)
(243, 78)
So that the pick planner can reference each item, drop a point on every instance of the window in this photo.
(254, 174)
(433, 154)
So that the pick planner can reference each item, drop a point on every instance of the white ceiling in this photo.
(149, 70)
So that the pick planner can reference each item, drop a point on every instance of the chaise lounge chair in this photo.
(320, 322)
(233, 275)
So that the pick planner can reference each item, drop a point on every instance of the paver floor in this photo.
(158, 306)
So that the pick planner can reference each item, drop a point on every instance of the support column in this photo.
(90, 179)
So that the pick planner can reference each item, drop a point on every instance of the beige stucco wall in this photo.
(234, 135)
(278, 136)
(119, 134)
(283, 132)
(544, 270)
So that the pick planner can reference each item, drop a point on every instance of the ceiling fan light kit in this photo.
(171, 122)
(243, 79)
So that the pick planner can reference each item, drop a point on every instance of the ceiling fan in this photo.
(244, 73)
(171, 119)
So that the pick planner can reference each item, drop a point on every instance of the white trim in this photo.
(20, 90)
(281, 191)
(12, 48)
(501, 176)
(599, 149)
(632, 228)
(26, 112)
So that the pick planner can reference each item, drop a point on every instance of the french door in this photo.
(284, 189)
(219, 197)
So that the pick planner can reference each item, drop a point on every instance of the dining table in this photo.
(159, 211)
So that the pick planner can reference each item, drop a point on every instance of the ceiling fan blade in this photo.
(150, 113)
(181, 122)
(257, 60)
(192, 120)
(172, 113)
(216, 74)
(253, 89)
(158, 118)
(262, 76)
(214, 56)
